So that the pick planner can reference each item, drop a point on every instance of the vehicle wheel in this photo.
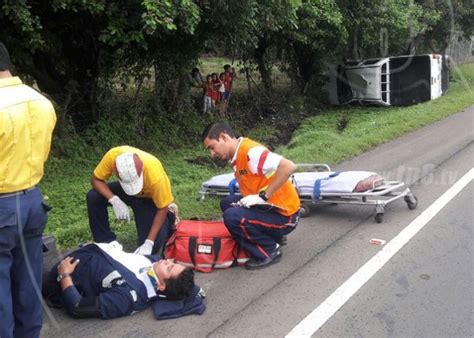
(378, 217)
(304, 210)
(412, 201)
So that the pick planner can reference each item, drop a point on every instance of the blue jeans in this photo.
(256, 229)
(143, 208)
(22, 221)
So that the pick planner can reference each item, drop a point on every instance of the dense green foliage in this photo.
(118, 73)
(76, 50)
(318, 139)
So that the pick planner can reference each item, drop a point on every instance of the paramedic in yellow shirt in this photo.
(27, 120)
(142, 185)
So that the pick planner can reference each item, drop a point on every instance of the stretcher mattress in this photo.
(306, 182)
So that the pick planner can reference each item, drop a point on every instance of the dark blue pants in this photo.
(144, 211)
(22, 221)
(258, 228)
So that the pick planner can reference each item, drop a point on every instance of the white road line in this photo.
(338, 298)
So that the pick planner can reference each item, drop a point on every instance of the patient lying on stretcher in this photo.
(337, 182)
(310, 182)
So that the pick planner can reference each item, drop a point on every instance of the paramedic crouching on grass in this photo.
(143, 185)
(269, 206)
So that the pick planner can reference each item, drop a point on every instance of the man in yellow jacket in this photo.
(27, 120)
(143, 185)
(269, 206)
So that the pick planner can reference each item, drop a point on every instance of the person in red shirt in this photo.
(216, 83)
(229, 75)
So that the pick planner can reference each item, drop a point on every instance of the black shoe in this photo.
(282, 241)
(254, 264)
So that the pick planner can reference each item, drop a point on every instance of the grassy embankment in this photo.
(318, 140)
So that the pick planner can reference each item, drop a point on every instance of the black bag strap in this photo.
(235, 255)
(216, 241)
(192, 249)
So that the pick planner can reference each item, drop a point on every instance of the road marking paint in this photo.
(309, 325)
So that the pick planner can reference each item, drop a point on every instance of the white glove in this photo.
(250, 200)
(145, 248)
(120, 208)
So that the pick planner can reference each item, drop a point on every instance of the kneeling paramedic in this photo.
(101, 280)
(143, 185)
(269, 206)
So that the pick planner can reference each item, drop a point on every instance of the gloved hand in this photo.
(120, 208)
(250, 200)
(145, 248)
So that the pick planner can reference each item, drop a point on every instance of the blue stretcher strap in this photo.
(232, 186)
(317, 185)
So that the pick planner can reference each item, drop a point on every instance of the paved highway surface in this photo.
(424, 289)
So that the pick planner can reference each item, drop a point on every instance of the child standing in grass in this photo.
(208, 102)
(221, 91)
(215, 88)
(229, 75)
(221, 88)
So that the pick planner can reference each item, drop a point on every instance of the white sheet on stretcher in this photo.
(344, 182)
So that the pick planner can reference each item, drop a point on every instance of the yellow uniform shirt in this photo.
(156, 184)
(27, 120)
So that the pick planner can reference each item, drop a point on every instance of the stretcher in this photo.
(317, 184)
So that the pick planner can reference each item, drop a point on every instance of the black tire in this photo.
(378, 217)
(412, 201)
(304, 210)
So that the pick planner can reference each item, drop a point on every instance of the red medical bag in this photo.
(204, 246)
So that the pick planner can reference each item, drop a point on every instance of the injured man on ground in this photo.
(101, 280)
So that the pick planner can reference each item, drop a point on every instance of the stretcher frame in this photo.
(378, 197)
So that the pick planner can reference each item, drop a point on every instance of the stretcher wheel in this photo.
(378, 217)
(304, 210)
(412, 201)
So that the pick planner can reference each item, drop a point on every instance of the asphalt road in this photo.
(425, 290)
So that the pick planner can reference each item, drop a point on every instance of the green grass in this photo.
(318, 140)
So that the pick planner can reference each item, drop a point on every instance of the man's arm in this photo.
(158, 221)
(147, 247)
(101, 187)
(285, 169)
(262, 162)
(76, 305)
(115, 302)
(120, 208)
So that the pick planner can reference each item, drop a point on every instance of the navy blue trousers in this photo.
(144, 211)
(256, 229)
(22, 221)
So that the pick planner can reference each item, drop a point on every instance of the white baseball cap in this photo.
(130, 173)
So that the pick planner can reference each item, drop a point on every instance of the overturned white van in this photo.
(392, 81)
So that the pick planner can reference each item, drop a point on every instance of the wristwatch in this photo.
(263, 195)
(61, 276)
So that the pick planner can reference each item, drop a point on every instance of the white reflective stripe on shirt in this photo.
(234, 158)
(262, 157)
(107, 281)
(20, 93)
